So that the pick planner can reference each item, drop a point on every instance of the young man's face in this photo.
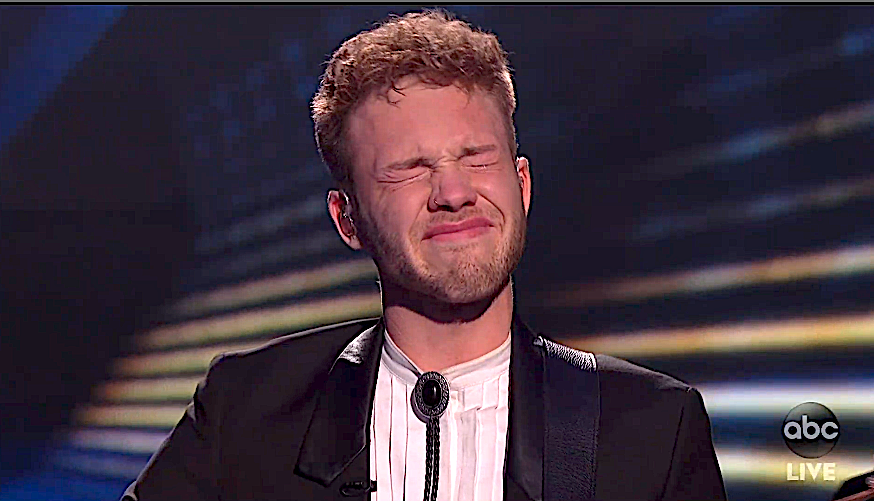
(442, 203)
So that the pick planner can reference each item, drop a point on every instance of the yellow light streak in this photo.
(194, 360)
(288, 284)
(263, 321)
(154, 416)
(146, 390)
(844, 398)
(846, 261)
(804, 334)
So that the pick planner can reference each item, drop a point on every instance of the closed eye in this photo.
(404, 173)
(480, 164)
(480, 157)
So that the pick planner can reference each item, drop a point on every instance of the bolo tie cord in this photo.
(432, 458)
(430, 398)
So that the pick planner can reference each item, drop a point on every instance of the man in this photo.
(447, 395)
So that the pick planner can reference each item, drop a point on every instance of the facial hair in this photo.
(465, 280)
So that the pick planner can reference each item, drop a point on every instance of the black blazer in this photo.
(289, 421)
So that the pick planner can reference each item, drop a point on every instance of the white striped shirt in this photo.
(473, 430)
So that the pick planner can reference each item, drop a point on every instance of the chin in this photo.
(461, 280)
(460, 297)
(461, 292)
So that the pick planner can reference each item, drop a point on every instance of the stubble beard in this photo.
(463, 280)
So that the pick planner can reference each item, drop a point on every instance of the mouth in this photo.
(469, 228)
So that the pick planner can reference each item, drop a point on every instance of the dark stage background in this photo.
(702, 205)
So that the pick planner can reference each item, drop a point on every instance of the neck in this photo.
(436, 335)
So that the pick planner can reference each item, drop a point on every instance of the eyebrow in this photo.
(407, 163)
(465, 152)
(475, 150)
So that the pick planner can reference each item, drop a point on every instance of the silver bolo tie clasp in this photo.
(430, 399)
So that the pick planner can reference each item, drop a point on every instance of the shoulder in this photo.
(623, 383)
(327, 339)
(633, 393)
(306, 354)
(622, 373)
(611, 370)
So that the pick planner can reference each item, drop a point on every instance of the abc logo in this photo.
(811, 430)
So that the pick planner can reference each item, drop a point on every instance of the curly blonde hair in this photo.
(433, 46)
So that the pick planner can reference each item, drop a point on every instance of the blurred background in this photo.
(702, 206)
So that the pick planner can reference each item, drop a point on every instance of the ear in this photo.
(524, 173)
(341, 213)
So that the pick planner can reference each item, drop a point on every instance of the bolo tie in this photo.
(430, 399)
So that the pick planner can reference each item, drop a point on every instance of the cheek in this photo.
(406, 206)
(505, 194)
(398, 217)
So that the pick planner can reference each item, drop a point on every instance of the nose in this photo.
(451, 189)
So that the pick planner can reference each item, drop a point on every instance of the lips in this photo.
(448, 229)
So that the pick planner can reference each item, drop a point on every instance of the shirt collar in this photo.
(459, 376)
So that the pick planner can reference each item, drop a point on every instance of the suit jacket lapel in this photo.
(524, 458)
(337, 436)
